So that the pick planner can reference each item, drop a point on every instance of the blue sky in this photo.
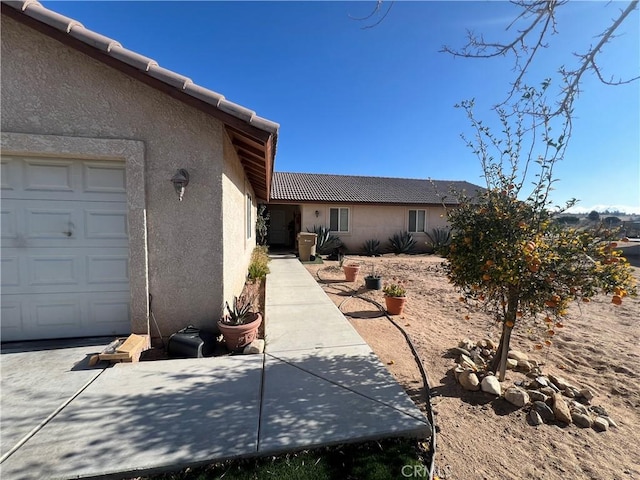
(380, 101)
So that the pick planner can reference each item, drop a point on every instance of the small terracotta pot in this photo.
(239, 336)
(351, 272)
(395, 305)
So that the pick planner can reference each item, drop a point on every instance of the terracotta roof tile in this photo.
(313, 187)
(75, 29)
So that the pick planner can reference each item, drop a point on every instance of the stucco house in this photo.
(92, 225)
(359, 208)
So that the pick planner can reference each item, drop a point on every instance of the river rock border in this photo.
(545, 398)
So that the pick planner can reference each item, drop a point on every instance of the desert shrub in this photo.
(326, 242)
(402, 242)
(371, 247)
(259, 265)
(440, 239)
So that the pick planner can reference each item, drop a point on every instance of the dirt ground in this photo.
(481, 436)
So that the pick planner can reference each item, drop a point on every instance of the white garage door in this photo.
(65, 252)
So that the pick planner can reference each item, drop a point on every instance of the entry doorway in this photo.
(284, 225)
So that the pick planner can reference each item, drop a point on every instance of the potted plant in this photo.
(373, 281)
(239, 325)
(394, 298)
(351, 271)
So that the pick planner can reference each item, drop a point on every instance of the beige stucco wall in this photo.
(237, 246)
(367, 222)
(50, 89)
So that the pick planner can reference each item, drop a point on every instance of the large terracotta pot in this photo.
(395, 305)
(351, 272)
(239, 336)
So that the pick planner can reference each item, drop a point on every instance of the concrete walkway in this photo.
(318, 383)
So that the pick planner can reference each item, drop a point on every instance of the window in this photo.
(339, 219)
(249, 217)
(417, 220)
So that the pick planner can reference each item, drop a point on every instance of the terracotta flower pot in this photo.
(239, 336)
(395, 305)
(351, 272)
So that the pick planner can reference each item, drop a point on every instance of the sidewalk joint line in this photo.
(50, 417)
(351, 389)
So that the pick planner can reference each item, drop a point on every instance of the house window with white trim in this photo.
(249, 216)
(417, 221)
(339, 219)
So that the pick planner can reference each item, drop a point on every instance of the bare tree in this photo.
(537, 22)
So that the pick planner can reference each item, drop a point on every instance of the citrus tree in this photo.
(510, 254)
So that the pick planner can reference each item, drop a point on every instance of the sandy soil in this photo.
(479, 436)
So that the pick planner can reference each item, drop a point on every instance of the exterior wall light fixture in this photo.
(180, 180)
(317, 213)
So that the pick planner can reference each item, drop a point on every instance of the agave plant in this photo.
(402, 242)
(371, 247)
(326, 242)
(440, 239)
(240, 313)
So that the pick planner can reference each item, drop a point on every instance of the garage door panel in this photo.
(52, 270)
(65, 248)
(106, 224)
(104, 177)
(48, 175)
(49, 223)
(26, 224)
(9, 222)
(10, 271)
(108, 269)
(60, 179)
(11, 317)
(65, 270)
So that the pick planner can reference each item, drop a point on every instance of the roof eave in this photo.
(262, 132)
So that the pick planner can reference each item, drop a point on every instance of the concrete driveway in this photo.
(318, 383)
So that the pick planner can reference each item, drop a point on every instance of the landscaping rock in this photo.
(457, 371)
(548, 391)
(524, 365)
(600, 424)
(511, 364)
(459, 351)
(578, 407)
(466, 362)
(516, 396)
(581, 420)
(490, 384)
(544, 410)
(535, 418)
(469, 381)
(490, 343)
(559, 382)
(599, 410)
(481, 344)
(561, 409)
(517, 355)
(487, 352)
(537, 396)
(587, 394)
(466, 344)
(611, 422)
(257, 346)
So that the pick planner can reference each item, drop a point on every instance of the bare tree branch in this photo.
(525, 46)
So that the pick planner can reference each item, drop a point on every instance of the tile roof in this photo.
(313, 187)
(247, 125)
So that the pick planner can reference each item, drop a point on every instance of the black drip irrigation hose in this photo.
(416, 357)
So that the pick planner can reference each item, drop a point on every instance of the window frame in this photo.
(339, 209)
(249, 216)
(417, 210)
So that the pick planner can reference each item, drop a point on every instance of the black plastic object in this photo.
(191, 342)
